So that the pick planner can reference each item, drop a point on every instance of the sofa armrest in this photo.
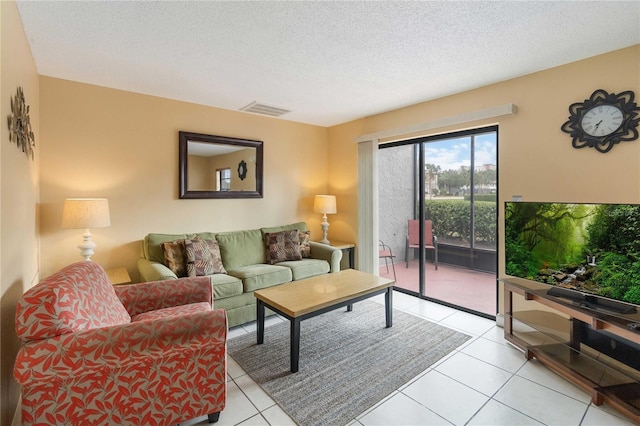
(154, 271)
(136, 346)
(326, 252)
(153, 295)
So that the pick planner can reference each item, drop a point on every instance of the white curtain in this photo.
(368, 207)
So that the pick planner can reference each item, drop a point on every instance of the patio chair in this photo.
(386, 254)
(413, 239)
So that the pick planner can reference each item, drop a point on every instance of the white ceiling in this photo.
(328, 62)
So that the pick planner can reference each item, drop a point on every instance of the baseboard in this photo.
(500, 320)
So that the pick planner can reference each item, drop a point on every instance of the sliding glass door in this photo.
(438, 216)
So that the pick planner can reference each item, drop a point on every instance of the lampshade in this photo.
(85, 213)
(325, 204)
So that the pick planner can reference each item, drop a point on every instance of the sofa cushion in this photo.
(78, 297)
(255, 277)
(300, 226)
(306, 268)
(305, 235)
(173, 311)
(281, 246)
(305, 246)
(152, 245)
(225, 286)
(203, 257)
(241, 248)
(174, 257)
(207, 235)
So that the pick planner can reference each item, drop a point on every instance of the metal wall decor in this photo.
(242, 170)
(603, 120)
(20, 125)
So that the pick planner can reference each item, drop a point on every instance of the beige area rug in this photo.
(349, 361)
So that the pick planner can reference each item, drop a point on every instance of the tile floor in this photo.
(483, 382)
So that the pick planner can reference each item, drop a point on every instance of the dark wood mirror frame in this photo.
(185, 137)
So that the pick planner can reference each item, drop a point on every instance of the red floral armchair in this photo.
(149, 354)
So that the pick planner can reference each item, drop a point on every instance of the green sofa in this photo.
(244, 258)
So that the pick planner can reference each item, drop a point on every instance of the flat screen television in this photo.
(589, 253)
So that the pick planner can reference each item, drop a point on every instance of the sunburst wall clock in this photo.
(603, 120)
(242, 170)
(20, 124)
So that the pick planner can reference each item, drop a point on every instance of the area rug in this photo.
(349, 361)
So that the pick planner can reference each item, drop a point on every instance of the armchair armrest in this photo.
(149, 296)
(154, 271)
(326, 252)
(129, 347)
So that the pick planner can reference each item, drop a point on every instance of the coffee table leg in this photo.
(388, 306)
(295, 344)
(260, 307)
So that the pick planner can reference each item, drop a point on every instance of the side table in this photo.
(118, 276)
(347, 248)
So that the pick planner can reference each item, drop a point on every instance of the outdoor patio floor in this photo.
(462, 287)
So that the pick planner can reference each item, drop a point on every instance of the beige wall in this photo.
(200, 177)
(19, 188)
(536, 159)
(124, 146)
(343, 179)
(231, 161)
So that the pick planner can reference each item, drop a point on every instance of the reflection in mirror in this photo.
(219, 167)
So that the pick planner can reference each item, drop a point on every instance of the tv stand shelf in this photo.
(551, 333)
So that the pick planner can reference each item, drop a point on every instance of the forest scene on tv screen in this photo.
(592, 248)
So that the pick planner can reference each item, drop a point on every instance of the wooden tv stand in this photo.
(548, 328)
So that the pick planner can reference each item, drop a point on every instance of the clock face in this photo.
(602, 120)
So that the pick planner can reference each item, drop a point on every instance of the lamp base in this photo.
(325, 230)
(87, 246)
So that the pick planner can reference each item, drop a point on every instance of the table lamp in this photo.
(85, 213)
(325, 204)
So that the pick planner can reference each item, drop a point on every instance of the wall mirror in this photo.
(219, 166)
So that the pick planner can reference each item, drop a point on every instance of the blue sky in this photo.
(450, 154)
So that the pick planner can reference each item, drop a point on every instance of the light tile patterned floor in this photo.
(483, 382)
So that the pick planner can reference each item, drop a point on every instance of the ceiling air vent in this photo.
(263, 109)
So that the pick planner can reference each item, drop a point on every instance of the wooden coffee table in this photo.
(299, 300)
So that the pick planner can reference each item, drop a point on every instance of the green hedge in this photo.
(451, 220)
(482, 197)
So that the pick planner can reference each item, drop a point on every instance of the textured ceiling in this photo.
(327, 62)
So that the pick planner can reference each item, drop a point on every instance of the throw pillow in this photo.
(305, 247)
(282, 246)
(174, 257)
(203, 257)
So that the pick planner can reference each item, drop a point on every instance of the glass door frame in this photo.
(419, 200)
